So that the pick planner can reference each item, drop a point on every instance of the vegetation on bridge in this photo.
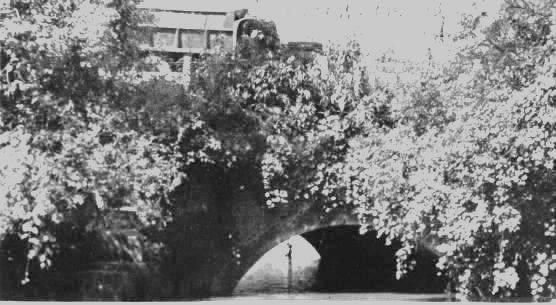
(464, 154)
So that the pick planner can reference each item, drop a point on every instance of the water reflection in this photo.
(348, 296)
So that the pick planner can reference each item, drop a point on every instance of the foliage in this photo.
(87, 139)
(470, 160)
(74, 148)
(464, 154)
(295, 117)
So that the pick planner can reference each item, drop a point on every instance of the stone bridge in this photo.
(247, 228)
(259, 234)
(235, 228)
(222, 228)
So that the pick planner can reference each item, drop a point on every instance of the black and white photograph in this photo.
(247, 151)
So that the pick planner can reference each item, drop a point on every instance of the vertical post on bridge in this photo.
(290, 275)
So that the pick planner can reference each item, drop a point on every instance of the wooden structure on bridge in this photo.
(180, 36)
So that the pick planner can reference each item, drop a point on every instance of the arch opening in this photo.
(290, 266)
(338, 259)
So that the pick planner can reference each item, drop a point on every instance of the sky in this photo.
(406, 27)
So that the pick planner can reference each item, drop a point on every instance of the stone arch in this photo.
(266, 244)
(251, 250)
(305, 218)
